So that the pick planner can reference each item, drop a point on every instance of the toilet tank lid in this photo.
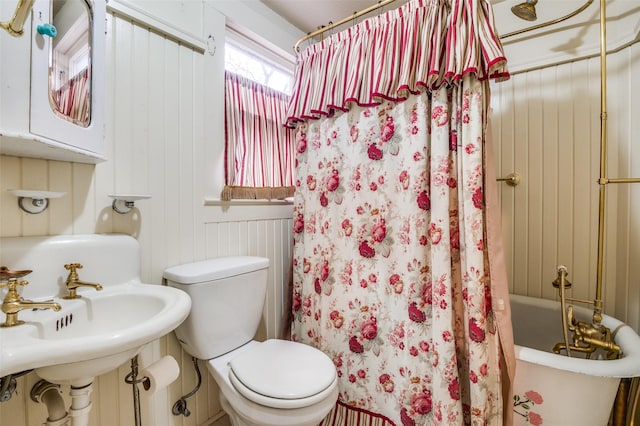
(215, 269)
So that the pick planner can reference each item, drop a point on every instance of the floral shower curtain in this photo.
(397, 269)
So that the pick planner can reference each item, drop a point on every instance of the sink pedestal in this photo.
(80, 405)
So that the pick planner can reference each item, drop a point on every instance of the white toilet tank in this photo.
(227, 298)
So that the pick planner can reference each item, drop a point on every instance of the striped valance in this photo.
(416, 47)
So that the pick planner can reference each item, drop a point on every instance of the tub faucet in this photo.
(586, 337)
(13, 303)
(589, 337)
(73, 281)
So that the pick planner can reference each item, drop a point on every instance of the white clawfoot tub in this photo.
(555, 390)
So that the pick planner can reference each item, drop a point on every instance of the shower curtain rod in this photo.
(383, 3)
(332, 25)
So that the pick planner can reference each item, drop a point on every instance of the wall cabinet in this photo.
(52, 88)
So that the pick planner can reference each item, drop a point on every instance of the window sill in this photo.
(219, 202)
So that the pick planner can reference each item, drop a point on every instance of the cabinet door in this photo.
(67, 74)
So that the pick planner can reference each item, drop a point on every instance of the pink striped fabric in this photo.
(73, 100)
(258, 148)
(345, 415)
(419, 46)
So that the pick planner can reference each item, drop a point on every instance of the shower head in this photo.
(526, 10)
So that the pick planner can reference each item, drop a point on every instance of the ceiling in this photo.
(575, 37)
(308, 15)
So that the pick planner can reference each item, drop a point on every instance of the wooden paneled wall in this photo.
(546, 127)
(165, 139)
(266, 238)
(164, 135)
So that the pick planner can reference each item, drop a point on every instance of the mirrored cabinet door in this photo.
(67, 73)
(70, 60)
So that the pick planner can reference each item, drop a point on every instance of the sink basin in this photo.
(91, 335)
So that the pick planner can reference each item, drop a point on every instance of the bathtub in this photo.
(555, 390)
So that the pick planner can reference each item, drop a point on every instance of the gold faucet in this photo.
(586, 337)
(13, 302)
(73, 281)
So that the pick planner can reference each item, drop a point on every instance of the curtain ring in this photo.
(322, 33)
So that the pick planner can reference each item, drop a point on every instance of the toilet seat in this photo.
(246, 412)
(282, 374)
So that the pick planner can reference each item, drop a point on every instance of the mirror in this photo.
(70, 61)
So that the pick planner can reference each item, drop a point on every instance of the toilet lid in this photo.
(284, 370)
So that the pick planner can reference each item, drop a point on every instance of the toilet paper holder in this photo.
(133, 379)
(156, 376)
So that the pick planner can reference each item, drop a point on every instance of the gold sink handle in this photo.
(73, 281)
(13, 303)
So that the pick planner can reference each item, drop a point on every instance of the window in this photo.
(258, 147)
(241, 61)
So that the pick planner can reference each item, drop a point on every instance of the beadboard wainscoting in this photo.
(165, 138)
(272, 239)
(546, 128)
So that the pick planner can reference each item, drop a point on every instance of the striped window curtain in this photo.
(258, 148)
(73, 100)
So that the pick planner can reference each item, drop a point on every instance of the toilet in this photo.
(270, 383)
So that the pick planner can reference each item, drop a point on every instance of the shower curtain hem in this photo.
(336, 416)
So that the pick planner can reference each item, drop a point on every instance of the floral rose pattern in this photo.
(391, 278)
(522, 405)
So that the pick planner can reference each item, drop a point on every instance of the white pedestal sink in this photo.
(96, 333)
(92, 335)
